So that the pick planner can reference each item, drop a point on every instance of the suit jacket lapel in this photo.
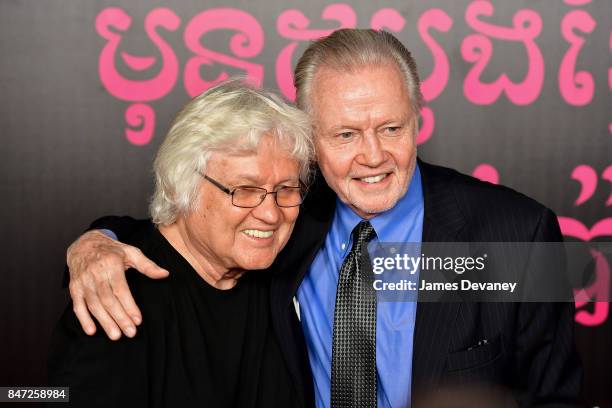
(443, 222)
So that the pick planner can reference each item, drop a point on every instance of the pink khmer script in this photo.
(478, 49)
(108, 22)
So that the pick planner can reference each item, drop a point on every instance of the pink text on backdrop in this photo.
(486, 172)
(246, 43)
(576, 88)
(577, 2)
(112, 24)
(436, 82)
(294, 25)
(478, 49)
(599, 289)
(607, 175)
(147, 90)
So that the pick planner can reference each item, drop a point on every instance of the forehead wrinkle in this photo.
(357, 107)
(368, 115)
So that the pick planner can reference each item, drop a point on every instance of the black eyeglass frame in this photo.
(231, 192)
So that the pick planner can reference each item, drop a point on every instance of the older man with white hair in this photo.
(361, 90)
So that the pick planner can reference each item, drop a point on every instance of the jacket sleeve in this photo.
(546, 362)
(123, 226)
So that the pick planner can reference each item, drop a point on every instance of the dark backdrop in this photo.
(519, 92)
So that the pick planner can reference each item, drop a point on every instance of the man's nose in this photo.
(372, 154)
(268, 211)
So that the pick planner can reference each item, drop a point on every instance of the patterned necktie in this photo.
(353, 382)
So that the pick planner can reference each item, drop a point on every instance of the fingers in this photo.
(93, 303)
(137, 260)
(113, 307)
(103, 318)
(80, 310)
(97, 278)
(122, 293)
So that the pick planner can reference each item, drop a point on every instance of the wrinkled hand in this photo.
(98, 286)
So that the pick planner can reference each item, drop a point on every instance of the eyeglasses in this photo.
(250, 197)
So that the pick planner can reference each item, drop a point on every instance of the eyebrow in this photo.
(342, 127)
(398, 120)
(241, 178)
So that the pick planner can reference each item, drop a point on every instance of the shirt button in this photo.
(343, 246)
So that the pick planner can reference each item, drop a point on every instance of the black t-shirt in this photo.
(197, 346)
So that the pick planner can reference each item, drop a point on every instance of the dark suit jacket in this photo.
(531, 346)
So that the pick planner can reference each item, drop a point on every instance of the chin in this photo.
(379, 207)
(259, 262)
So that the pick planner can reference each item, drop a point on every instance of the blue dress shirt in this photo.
(394, 320)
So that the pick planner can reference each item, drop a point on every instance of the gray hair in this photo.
(231, 117)
(351, 48)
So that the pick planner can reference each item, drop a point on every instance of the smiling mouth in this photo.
(373, 179)
(258, 233)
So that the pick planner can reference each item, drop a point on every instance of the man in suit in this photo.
(361, 89)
